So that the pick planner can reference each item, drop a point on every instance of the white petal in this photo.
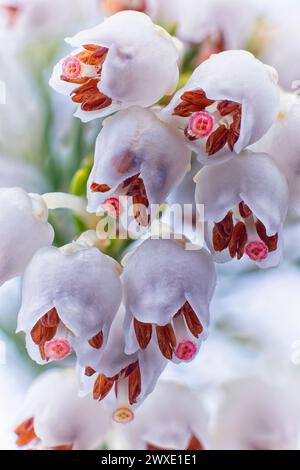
(23, 232)
(84, 287)
(250, 178)
(135, 141)
(161, 275)
(236, 76)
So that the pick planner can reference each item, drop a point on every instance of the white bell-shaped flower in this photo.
(230, 21)
(230, 102)
(133, 377)
(139, 156)
(282, 144)
(145, 6)
(53, 417)
(69, 300)
(257, 415)
(172, 417)
(167, 293)
(242, 211)
(124, 61)
(24, 229)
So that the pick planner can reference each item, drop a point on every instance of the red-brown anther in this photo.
(195, 444)
(97, 341)
(89, 371)
(222, 233)
(63, 447)
(99, 188)
(143, 333)
(244, 210)
(134, 385)
(192, 102)
(50, 319)
(234, 130)
(25, 432)
(166, 340)
(192, 320)
(217, 140)
(89, 96)
(238, 240)
(136, 189)
(271, 242)
(102, 387)
(226, 107)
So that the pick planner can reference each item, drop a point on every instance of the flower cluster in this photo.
(126, 322)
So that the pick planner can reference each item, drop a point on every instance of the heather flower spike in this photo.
(173, 417)
(229, 102)
(139, 156)
(167, 292)
(124, 61)
(53, 417)
(132, 377)
(243, 213)
(24, 229)
(69, 300)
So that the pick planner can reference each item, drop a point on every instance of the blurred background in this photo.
(255, 314)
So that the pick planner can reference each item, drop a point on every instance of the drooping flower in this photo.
(228, 21)
(132, 377)
(167, 292)
(124, 61)
(145, 6)
(256, 415)
(281, 143)
(242, 211)
(53, 417)
(230, 102)
(25, 229)
(172, 417)
(69, 300)
(139, 156)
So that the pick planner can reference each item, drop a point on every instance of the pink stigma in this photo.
(186, 350)
(72, 68)
(113, 206)
(57, 349)
(257, 251)
(200, 125)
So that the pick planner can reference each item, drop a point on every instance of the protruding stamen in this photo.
(136, 189)
(234, 130)
(192, 320)
(195, 444)
(257, 250)
(222, 233)
(25, 432)
(134, 385)
(71, 68)
(238, 240)
(186, 350)
(102, 387)
(217, 140)
(57, 349)
(63, 447)
(271, 242)
(99, 188)
(166, 340)
(200, 125)
(97, 341)
(143, 333)
(123, 415)
(226, 107)
(192, 102)
(245, 211)
(89, 371)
